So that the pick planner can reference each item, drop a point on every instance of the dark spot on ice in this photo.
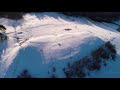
(105, 64)
(63, 69)
(59, 44)
(19, 32)
(41, 51)
(68, 29)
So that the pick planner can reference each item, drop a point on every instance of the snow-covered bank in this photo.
(40, 57)
(40, 42)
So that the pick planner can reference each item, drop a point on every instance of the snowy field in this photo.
(42, 41)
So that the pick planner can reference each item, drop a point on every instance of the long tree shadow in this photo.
(80, 20)
(59, 16)
(107, 26)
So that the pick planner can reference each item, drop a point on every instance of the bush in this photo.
(53, 69)
(75, 72)
(24, 74)
(86, 61)
(92, 62)
(53, 76)
(3, 37)
(100, 53)
(2, 27)
(97, 53)
(95, 65)
(111, 47)
(105, 51)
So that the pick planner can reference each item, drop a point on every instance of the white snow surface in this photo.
(40, 42)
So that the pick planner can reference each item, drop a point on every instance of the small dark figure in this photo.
(59, 44)
(68, 29)
(19, 32)
(17, 38)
